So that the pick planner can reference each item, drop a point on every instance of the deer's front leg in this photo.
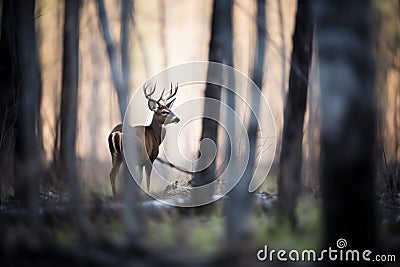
(147, 169)
(138, 174)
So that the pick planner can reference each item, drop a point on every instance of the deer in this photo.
(147, 139)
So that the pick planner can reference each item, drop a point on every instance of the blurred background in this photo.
(161, 34)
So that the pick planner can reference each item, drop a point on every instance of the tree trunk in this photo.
(291, 154)
(8, 97)
(221, 28)
(348, 121)
(126, 8)
(116, 72)
(132, 215)
(28, 156)
(239, 202)
(69, 94)
(69, 108)
(282, 51)
(163, 36)
(230, 97)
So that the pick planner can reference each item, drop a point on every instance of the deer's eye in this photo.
(165, 113)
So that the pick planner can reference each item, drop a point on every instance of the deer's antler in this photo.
(151, 92)
(172, 92)
(148, 94)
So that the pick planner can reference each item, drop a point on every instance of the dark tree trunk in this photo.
(230, 94)
(8, 97)
(221, 30)
(69, 109)
(239, 203)
(291, 153)
(221, 22)
(132, 215)
(348, 121)
(69, 94)
(28, 156)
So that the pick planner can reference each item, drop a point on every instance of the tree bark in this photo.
(282, 51)
(126, 8)
(239, 202)
(221, 19)
(291, 154)
(348, 133)
(230, 95)
(69, 109)
(116, 72)
(69, 94)
(221, 28)
(28, 155)
(132, 215)
(8, 97)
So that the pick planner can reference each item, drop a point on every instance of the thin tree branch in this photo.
(112, 55)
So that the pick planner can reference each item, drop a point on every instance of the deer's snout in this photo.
(172, 118)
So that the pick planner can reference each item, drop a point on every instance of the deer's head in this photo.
(162, 106)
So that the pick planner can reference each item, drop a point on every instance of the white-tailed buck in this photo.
(146, 139)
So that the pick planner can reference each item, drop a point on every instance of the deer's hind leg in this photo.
(116, 162)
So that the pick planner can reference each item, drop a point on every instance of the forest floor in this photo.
(167, 230)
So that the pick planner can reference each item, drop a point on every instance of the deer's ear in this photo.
(169, 105)
(152, 104)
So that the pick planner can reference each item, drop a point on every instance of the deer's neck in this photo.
(158, 131)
